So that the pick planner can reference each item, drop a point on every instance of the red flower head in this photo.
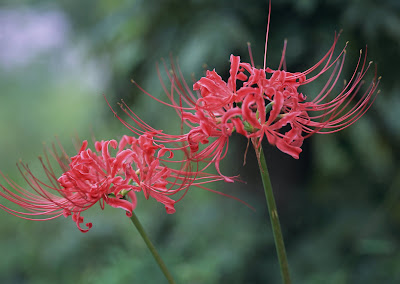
(99, 177)
(258, 103)
(269, 103)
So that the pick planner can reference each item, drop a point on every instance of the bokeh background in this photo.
(338, 204)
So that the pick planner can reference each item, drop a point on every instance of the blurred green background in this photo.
(338, 203)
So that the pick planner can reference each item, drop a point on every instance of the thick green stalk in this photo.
(152, 249)
(273, 214)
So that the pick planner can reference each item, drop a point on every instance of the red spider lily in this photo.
(272, 105)
(264, 106)
(99, 177)
(266, 103)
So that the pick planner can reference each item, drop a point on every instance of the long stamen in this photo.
(266, 37)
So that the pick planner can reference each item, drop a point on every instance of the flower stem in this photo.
(273, 214)
(152, 249)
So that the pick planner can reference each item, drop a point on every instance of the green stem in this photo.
(152, 249)
(273, 214)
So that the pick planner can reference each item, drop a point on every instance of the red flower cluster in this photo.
(265, 102)
(97, 176)
(265, 105)
(258, 103)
